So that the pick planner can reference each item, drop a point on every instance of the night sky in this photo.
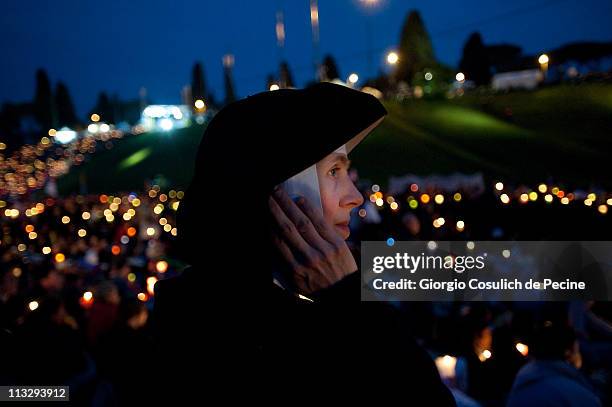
(119, 46)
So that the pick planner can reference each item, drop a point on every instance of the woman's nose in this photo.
(353, 197)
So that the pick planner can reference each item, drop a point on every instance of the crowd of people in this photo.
(77, 276)
(30, 167)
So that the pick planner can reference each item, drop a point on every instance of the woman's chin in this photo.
(343, 231)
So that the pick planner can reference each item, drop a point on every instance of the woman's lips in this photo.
(344, 228)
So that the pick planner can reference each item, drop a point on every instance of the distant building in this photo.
(525, 79)
(165, 117)
(571, 61)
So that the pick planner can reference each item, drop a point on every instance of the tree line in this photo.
(417, 66)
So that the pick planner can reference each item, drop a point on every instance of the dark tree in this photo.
(65, 108)
(581, 52)
(198, 83)
(44, 107)
(503, 57)
(230, 94)
(117, 108)
(104, 108)
(10, 118)
(415, 50)
(330, 69)
(212, 102)
(286, 79)
(474, 62)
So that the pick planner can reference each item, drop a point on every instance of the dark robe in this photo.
(223, 328)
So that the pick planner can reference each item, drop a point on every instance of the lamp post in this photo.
(543, 60)
(280, 34)
(369, 4)
(314, 24)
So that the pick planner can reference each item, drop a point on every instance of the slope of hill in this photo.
(564, 132)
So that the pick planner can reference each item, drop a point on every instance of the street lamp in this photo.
(274, 86)
(199, 104)
(314, 25)
(460, 77)
(353, 78)
(392, 58)
(280, 30)
(228, 61)
(543, 60)
(280, 34)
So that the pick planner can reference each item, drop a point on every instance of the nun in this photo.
(270, 304)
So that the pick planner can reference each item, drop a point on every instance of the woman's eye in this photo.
(333, 172)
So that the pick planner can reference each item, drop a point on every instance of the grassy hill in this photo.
(564, 132)
(161, 156)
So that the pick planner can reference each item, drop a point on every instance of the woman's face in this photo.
(338, 193)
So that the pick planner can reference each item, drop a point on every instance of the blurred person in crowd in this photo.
(592, 322)
(104, 254)
(594, 333)
(72, 294)
(553, 377)
(124, 354)
(92, 254)
(49, 348)
(411, 227)
(47, 280)
(475, 366)
(118, 274)
(309, 336)
(11, 301)
(104, 310)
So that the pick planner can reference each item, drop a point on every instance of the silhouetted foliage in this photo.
(474, 62)
(503, 57)
(581, 52)
(44, 107)
(65, 107)
(286, 79)
(415, 50)
(230, 94)
(198, 83)
(330, 69)
(104, 108)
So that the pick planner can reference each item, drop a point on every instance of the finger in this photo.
(285, 252)
(300, 279)
(324, 229)
(301, 221)
(289, 232)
